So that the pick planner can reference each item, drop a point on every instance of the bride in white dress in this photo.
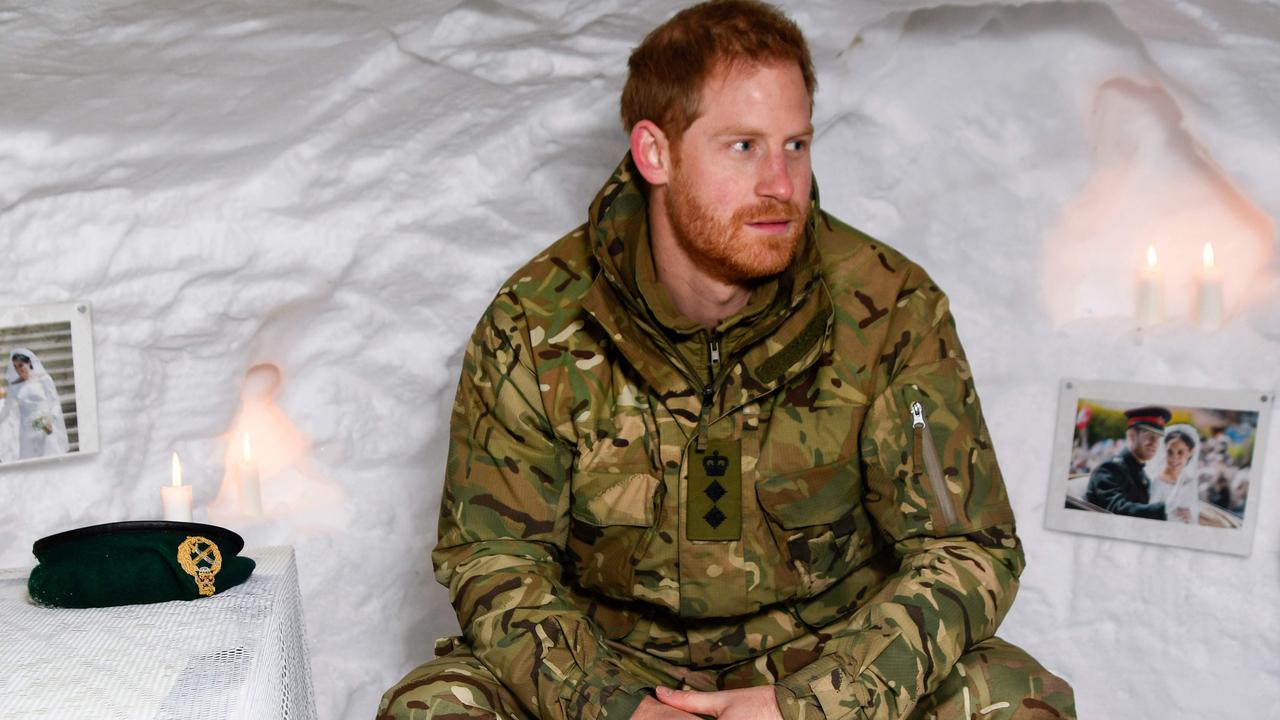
(1173, 473)
(42, 432)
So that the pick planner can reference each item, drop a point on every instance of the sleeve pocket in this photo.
(930, 466)
(834, 679)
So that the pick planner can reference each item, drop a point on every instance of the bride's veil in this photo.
(1192, 470)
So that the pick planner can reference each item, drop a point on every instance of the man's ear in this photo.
(651, 152)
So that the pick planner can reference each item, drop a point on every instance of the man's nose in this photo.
(775, 180)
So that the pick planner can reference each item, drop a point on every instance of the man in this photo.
(716, 453)
(1120, 485)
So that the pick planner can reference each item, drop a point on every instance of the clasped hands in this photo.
(756, 703)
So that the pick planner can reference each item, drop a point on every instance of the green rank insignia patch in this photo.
(714, 502)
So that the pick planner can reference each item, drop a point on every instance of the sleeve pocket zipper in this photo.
(924, 450)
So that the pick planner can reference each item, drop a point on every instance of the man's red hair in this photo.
(669, 68)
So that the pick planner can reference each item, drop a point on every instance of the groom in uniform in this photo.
(1120, 485)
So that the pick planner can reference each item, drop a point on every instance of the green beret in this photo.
(130, 563)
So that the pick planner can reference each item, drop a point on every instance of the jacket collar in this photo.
(792, 311)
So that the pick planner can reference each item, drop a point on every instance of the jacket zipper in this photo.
(924, 446)
(709, 390)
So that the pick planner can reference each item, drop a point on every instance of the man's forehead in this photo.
(725, 70)
(729, 77)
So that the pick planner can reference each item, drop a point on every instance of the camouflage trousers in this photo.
(993, 681)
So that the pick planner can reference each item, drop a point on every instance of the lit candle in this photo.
(1150, 291)
(1209, 292)
(250, 492)
(176, 498)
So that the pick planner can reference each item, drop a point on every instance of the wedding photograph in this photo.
(1166, 465)
(47, 407)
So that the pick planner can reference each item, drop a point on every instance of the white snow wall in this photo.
(339, 190)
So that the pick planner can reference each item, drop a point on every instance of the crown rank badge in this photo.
(714, 501)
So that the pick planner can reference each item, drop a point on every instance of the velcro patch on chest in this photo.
(713, 507)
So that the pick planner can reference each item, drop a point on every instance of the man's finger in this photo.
(702, 703)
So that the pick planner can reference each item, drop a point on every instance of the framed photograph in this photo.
(48, 404)
(1167, 465)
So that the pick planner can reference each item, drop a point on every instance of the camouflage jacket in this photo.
(621, 479)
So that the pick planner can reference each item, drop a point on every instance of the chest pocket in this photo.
(818, 522)
(614, 502)
(810, 489)
(612, 516)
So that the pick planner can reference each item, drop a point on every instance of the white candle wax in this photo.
(250, 491)
(177, 503)
(1209, 293)
(1150, 306)
(176, 497)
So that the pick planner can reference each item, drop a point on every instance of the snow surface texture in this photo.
(339, 190)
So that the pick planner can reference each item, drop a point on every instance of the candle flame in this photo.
(246, 448)
(1208, 255)
(1151, 255)
(175, 471)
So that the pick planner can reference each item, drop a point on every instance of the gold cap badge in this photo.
(200, 558)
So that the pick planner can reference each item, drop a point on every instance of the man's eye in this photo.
(742, 145)
(798, 145)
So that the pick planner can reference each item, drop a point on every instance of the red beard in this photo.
(727, 250)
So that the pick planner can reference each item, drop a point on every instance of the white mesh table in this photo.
(239, 654)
